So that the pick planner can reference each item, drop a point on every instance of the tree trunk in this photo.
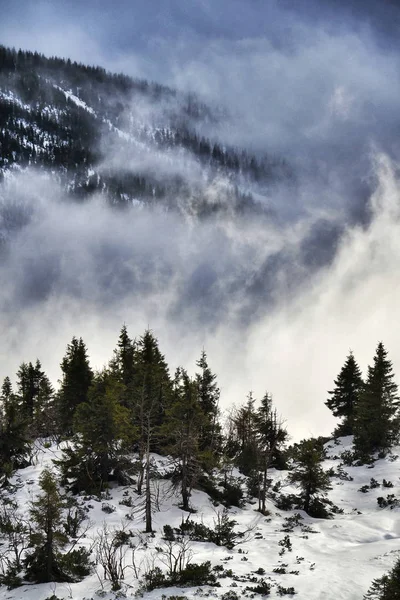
(264, 490)
(49, 549)
(139, 485)
(149, 528)
(184, 489)
(307, 499)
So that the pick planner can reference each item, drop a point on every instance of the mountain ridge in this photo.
(66, 117)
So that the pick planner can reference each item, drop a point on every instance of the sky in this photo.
(317, 83)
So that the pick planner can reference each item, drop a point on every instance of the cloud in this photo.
(84, 270)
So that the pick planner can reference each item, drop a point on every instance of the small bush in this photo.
(108, 508)
(387, 484)
(291, 522)
(196, 574)
(192, 575)
(169, 534)
(121, 538)
(230, 595)
(77, 563)
(282, 591)
(340, 473)
(348, 458)
(286, 501)
(155, 578)
(390, 501)
(322, 508)
(227, 494)
(11, 578)
(286, 543)
(75, 516)
(222, 535)
(218, 568)
(263, 588)
(127, 501)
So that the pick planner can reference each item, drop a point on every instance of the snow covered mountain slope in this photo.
(127, 139)
(321, 559)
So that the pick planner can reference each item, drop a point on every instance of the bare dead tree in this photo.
(16, 530)
(110, 554)
(176, 555)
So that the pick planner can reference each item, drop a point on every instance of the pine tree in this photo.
(377, 423)
(6, 393)
(28, 385)
(122, 365)
(309, 475)
(271, 435)
(208, 395)
(105, 434)
(77, 377)
(14, 440)
(344, 397)
(386, 587)
(44, 415)
(42, 563)
(150, 400)
(247, 455)
(45, 561)
(184, 420)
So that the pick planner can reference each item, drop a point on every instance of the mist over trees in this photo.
(67, 117)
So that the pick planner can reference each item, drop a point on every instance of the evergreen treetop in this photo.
(344, 396)
(308, 473)
(386, 587)
(377, 423)
(75, 384)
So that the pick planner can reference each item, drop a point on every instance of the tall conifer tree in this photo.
(105, 435)
(208, 395)
(14, 440)
(29, 378)
(244, 420)
(344, 397)
(122, 365)
(271, 435)
(308, 473)
(75, 384)
(377, 422)
(182, 427)
(151, 398)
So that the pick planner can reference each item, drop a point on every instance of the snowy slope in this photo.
(330, 559)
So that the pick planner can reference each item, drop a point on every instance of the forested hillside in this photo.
(127, 139)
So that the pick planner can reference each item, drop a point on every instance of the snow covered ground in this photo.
(330, 559)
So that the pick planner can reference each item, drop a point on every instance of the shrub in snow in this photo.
(390, 501)
(45, 561)
(387, 484)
